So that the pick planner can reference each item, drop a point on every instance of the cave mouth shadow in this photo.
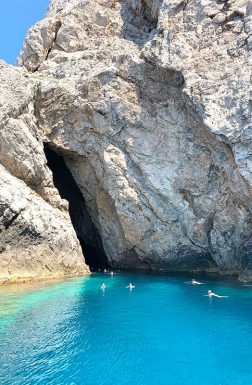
(86, 232)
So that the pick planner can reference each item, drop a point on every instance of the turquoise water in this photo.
(163, 332)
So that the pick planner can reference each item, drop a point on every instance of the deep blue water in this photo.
(164, 332)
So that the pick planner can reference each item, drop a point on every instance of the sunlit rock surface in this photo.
(149, 103)
(37, 239)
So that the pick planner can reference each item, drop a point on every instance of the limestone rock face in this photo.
(149, 103)
(36, 239)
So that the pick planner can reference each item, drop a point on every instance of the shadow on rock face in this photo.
(85, 230)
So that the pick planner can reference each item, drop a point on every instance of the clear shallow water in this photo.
(164, 332)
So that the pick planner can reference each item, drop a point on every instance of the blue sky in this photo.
(16, 17)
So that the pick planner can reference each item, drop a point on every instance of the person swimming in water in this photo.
(112, 273)
(103, 286)
(210, 294)
(130, 286)
(194, 282)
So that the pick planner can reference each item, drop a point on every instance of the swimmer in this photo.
(210, 294)
(130, 286)
(105, 271)
(194, 282)
(111, 273)
(103, 286)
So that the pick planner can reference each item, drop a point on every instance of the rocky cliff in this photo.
(36, 235)
(148, 104)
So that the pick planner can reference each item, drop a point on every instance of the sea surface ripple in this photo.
(163, 332)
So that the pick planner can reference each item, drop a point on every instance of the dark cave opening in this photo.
(86, 232)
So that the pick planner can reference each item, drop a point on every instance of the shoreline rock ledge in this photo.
(148, 104)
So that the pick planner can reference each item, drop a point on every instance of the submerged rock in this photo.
(149, 104)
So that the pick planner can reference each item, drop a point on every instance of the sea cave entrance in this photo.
(85, 230)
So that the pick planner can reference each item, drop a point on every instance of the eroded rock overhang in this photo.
(152, 98)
